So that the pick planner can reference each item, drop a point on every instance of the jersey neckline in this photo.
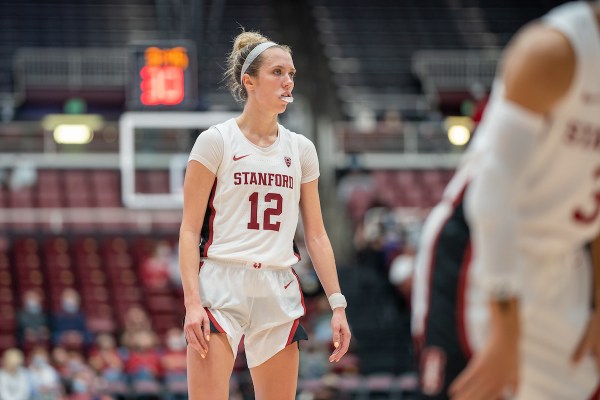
(257, 147)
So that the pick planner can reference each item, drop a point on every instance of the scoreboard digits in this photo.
(163, 76)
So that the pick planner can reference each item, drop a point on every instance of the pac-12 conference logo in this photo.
(288, 161)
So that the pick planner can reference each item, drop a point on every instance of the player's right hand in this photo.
(197, 329)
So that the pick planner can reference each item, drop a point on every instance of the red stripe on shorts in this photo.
(214, 321)
(300, 289)
(293, 331)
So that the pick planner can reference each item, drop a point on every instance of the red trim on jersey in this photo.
(200, 265)
(214, 321)
(596, 395)
(460, 302)
(293, 331)
(296, 250)
(300, 289)
(455, 203)
(212, 219)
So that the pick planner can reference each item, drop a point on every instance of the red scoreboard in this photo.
(163, 76)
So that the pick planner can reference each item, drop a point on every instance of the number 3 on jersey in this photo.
(269, 212)
(587, 217)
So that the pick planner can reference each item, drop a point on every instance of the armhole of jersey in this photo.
(298, 155)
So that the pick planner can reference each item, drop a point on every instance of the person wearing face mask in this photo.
(44, 378)
(69, 324)
(173, 362)
(105, 359)
(247, 181)
(154, 271)
(14, 382)
(32, 320)
(173, 359)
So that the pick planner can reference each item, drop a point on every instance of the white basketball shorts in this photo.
(260, 302)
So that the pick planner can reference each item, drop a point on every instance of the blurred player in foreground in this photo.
(505, 296)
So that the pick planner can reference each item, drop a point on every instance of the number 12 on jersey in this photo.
(268, 213)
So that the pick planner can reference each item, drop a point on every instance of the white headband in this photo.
(252, 56)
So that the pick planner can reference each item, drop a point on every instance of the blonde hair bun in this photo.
(247, 39)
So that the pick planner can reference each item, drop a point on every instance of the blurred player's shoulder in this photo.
(538, 67)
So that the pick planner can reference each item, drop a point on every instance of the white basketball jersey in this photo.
(254, 204)
(560, 209)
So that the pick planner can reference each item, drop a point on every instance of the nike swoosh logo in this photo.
(240, 157)
(286, 286)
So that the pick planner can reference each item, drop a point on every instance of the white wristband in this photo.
(337, 300)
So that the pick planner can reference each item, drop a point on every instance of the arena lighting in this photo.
(73, 134)
(72, 129)
(458, 129)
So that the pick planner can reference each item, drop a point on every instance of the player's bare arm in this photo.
(321, 253)
(197, 186)
(537, 72)
(538, 68)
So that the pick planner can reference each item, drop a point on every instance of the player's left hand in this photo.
(341, 334)
(590, 342)
(490, 372)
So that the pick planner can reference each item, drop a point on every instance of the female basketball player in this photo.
(246, 182)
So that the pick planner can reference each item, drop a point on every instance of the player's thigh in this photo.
(277, 378)
(208, 378)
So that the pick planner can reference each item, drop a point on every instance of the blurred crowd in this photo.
(59, 357)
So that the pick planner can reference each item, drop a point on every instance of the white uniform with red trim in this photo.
(247, 250)
(557, 214)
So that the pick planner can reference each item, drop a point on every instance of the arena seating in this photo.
(38, 23)
(104, 269)
(80, 188)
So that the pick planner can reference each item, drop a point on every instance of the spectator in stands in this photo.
(24, 174)
(69, 324)
(246, 245)
(59, 360)
(391, 123)
(401, 271)
(106, 360)
(45, 380)
(136, 320)
(173, 360)
(75, 363)
(142, 362)
(356, 179)
(83, 386)
(14, 379)
(313, 360)
(78, 377)
(369, 243)
(155, 269)
(32, 320)
(365, 120)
